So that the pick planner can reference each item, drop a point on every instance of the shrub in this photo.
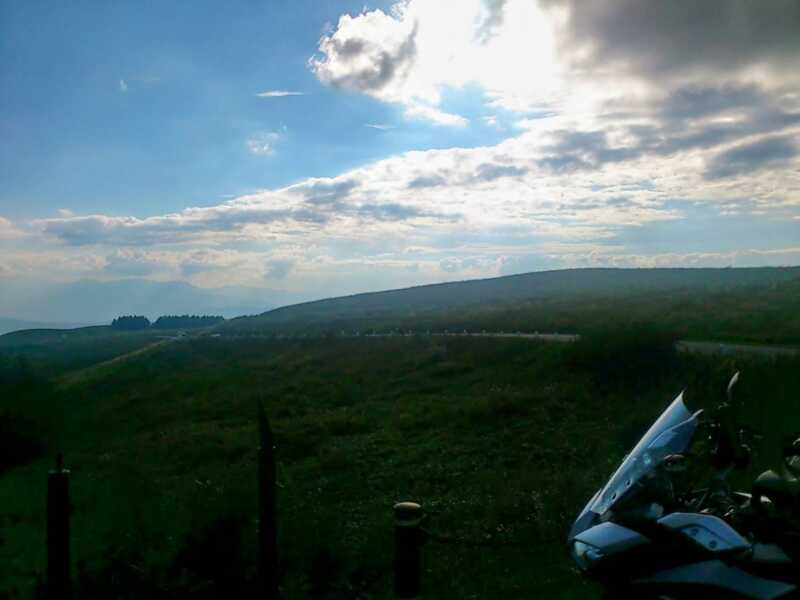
(22, 439)
(623, 355)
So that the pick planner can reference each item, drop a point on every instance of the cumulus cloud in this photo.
(555, 54)
(560, 178)
(412, 54)
(314, 205)
(371, 53)
(376, 54)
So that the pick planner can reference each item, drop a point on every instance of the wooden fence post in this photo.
(267, 517)
(58, 542)
(408, 540)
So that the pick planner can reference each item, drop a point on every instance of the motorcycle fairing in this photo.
(711, 533)
(604, 540)
(585, 520)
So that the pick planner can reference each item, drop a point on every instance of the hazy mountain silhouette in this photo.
(91, 301)
(9, 325)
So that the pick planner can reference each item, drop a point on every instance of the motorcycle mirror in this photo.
(732, 383)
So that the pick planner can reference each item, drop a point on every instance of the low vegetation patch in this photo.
(22, 439)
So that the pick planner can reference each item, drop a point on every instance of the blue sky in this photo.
(422, 141)
(134, 111)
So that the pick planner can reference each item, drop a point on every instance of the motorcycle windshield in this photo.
(670, 434)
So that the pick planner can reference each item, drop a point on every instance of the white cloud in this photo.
(381, 126)
(435, 116)
(263, 144)
(553, 55)
(278, 94)
(615, 152)
(9, 231)
(123, 86)
(421, 47)
(746, 257)
(560, 178)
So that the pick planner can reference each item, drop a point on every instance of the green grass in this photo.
(500, 440)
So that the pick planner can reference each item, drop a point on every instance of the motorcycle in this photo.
(650, 534)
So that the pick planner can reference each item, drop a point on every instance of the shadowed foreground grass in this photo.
(500, 440)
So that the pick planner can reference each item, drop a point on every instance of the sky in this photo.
(328, 147)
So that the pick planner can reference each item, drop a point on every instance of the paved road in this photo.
(718, 348)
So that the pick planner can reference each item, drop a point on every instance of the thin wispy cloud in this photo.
(123, 86)
(381, 126)
(279, 94)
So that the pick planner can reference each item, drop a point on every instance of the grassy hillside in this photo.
(501, 440)
(50, 352)
(759, 304)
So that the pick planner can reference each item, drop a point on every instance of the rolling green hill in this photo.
(502, 440)
(756, 304)
(55, 351)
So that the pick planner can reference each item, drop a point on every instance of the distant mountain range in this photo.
(8, 325)
(98, 302)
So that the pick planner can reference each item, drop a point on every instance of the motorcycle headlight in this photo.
(585, 555)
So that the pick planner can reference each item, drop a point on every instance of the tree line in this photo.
(139, 322)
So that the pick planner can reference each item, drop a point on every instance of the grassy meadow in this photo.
(501, 440)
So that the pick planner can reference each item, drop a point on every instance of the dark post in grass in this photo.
(58, 512)
(408, 540)
(267, 521)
